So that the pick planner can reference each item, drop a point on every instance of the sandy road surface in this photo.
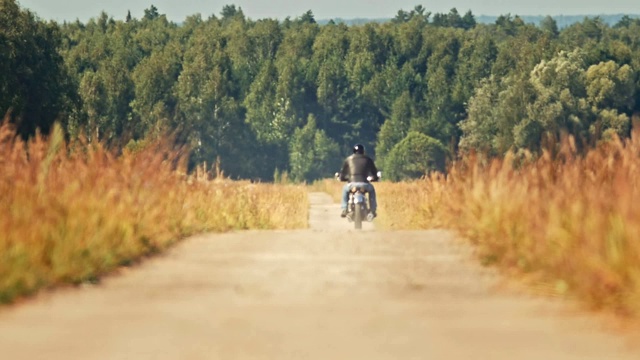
(324, 293)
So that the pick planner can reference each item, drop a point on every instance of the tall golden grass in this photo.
(569, 222)
(329, 186)
(71, 212)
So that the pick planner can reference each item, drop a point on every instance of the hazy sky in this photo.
(71, 10)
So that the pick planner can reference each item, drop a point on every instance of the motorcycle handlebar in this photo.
(369, 178)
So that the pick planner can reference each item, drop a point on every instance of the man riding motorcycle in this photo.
(356, 169)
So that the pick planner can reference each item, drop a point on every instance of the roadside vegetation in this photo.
(285, 101)
(267, 96)
(74, 211)
(569, 224)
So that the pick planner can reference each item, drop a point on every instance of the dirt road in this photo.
(324, 293)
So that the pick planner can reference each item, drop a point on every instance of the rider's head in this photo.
(358, 149)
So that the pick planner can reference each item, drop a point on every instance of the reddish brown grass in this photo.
(73, 212)
(570, 222)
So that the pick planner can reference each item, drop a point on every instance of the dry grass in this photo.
(329, 186)
(570, 223)
(73, 212)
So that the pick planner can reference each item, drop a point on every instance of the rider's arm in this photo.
(373, 169)
(344, 173)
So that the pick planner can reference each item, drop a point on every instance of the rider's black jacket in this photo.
(357, 167)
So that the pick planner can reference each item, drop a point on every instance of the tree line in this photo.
(263, 97)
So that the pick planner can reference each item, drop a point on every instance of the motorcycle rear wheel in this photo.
(357, 218)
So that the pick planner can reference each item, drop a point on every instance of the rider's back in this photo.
(357, 167)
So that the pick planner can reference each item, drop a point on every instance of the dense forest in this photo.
(562, 21)
(264, 96)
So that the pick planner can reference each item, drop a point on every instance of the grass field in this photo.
(71, 212)
(568, 224)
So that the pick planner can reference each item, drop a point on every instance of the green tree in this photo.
(231, 11)
(625, 22)
(152, 34)
(262, 106)
(480, 128)
(611, 91)
(209, 116)
(361, 59)
(151, 13)
(454, 19)
(407, 41)
(415, 156)
(297, 72)
(336, 99)
(119, 91)
(154, 81)
(307, 18)
(396, 128)
(549, 26)
(498, 106)
(560, 103)
(401, 17)
(609, 85)
(468, 21)
(390, 83)
(272, 120)
(34, 88)
(313, 155)
(230, 80)
(94, 100)
(509, 25)
(441, 113)
(476, 58)
(246, 62)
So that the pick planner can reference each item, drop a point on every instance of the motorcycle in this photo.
(358, 209)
